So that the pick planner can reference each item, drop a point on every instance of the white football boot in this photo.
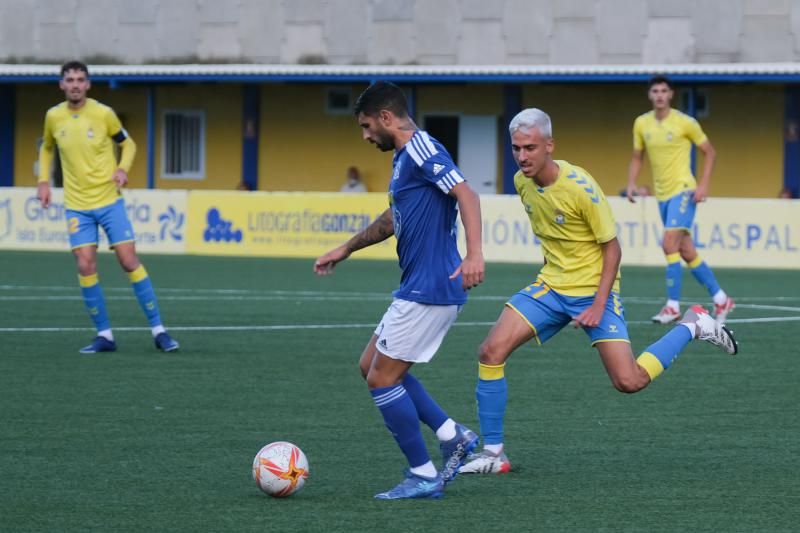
(709, 330)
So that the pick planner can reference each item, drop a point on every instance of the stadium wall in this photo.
(305, 147)
(753, 233)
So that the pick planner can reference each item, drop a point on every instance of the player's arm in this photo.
(46, 154)
(126, 146)
(633, 173)
(378, 231)
(709, 157)
(472, 267)
(612, 256)
(635, 165)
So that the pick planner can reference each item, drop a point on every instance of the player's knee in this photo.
(491, 353)
(376, 380)
(86, 266)
(628, 384)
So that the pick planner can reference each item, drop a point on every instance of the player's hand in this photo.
(120, 177)
(43, 193)
(325, 263)
(472, 270)
(590, 318)
(700, 194)
(631, 193)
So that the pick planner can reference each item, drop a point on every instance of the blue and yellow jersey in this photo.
(571, 218)
(85, 138)
(668, 143)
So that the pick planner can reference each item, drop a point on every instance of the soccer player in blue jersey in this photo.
(425, 194)
(579, 281)
(667, 135)
(85, 132)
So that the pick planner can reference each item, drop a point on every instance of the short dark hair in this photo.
(74, 65)
(658, 79)
(382, 95)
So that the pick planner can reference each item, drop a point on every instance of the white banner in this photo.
(728, 232)
(158, 218)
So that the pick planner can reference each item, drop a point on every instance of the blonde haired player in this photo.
(579, 281)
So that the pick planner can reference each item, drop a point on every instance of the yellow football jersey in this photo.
(668, 143)
(571, 218)
(85, 138)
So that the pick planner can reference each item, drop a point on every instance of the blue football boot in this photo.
(165, 343)
(100, 344)
(414, 486)
(455, 452)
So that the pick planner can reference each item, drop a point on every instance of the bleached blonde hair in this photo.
(531, 118)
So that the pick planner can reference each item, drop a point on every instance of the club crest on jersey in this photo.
(669, 136)
(396, 172)
(560, 218)
(90, 133)
(528, 208)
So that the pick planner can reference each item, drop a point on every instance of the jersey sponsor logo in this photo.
(383, 344)
(669, 136)
(612, 328)
(437, 168)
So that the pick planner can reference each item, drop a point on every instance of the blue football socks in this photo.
(492, 396)
(143, 289)
(402, 419)
(674, 276)
(95, 303)
(660, 355)
(428, 410)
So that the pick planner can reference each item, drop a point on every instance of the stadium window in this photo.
(183, 146)
(337, 101)
(701, 102)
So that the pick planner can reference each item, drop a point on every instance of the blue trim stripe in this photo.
(390, 396)
(7, 124)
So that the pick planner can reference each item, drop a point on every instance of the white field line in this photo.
(289, 327)
(329, 295)
(326, 297)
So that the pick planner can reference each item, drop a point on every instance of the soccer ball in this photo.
(280, 469)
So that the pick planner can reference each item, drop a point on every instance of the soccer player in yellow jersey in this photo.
(667, 135)
(85, 132)
(579, 282)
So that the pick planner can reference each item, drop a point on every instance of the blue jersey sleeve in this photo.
(435, 164)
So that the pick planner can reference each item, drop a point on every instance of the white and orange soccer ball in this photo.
(280, 469)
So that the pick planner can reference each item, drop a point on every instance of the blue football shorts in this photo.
(548, 312)
(82, 225)
(678, 212)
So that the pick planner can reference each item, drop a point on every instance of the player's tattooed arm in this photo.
(378, 231)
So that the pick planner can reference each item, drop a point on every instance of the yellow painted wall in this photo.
(33, 101)
(481, 99)
(302, 148)
(745, 125)
(592, 126)
(222, 104)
